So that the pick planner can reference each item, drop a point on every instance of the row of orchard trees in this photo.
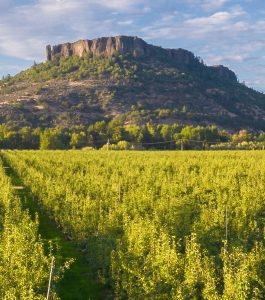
(24, 263)
(148, 136)
(148, 261)
(153, 225)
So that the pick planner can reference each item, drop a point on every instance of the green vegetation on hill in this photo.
(81, 90)
(75, 68)
(121, 68)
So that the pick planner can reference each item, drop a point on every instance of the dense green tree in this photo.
(53, 138)
(78, 140)
(98, 133)
(8, 137)
(28, 138)
(134, 133)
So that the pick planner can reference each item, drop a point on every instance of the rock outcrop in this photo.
(223, 72)
(108, 46)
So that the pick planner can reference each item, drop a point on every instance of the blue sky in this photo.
(227, 32)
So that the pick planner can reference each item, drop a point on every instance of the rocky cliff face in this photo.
(119, 44)
(108, 46)
(223, 72)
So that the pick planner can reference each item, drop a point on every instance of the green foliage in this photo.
(153, 224)
(24, 266)
(199, 133)
(78, 140)
(121, 145)
(148, 136)
(117, 68)
(244, 274)
(53, 138)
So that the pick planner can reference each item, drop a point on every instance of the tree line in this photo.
(117, 136)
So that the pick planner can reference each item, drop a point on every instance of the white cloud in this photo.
(215, 19)
(218, 18)
(57, 5)
(128, 22)
(208, 5)
(217, 60)
(213, 4)
(214, 26)
(118, 4)
(26, 29)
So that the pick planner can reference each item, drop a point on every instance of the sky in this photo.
(227, 32)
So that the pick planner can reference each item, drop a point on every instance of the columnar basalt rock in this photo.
(108, 46)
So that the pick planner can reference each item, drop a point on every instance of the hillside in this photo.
(126, 78)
